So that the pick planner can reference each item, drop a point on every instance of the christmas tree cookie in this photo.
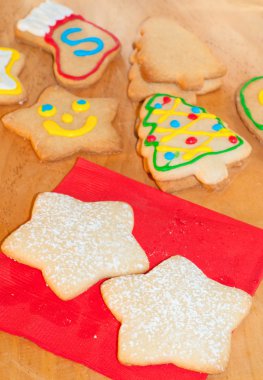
(183, 144)
(250, 105)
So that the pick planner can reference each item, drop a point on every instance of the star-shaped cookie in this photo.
(175, 314)
(61, 124)
(75, 244)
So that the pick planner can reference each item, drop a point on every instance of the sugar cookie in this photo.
(11, 64)
(75, 244)
(61, 124)
(169, 53)
(250, 105)
(81, 49)
(175, 314)
(183, 142)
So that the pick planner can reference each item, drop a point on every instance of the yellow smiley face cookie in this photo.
(48, 111)
(61, 124)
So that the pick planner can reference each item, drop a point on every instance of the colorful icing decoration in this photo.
(182, 134)
(195, 110)
(55, 129)
(59, 27)
(233, 139)
(67, 118)
(9, 85)
(217, 127)
(243, 102)
(166, 99)
(151, 138)
(192, 116)
(260, 97)
(81, 53)
(49, 38)
(80, 105)
(47, 110)
(191, 140)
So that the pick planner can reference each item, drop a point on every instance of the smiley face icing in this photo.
(81, 49)
(182, 142)
(61, 124)
(11, 89)
(250, 105)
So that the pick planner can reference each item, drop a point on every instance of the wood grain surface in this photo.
(233, 29)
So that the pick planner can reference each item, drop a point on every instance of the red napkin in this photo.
(83, 329)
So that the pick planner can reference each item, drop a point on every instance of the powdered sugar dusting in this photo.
(175, 314)
(76, 244)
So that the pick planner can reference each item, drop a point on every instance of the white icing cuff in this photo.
(40, 19)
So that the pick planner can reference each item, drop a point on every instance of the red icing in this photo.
(191, 140)
(151, 138)
(192, 116)
(232, 139)
(49, 40)
(166, 99)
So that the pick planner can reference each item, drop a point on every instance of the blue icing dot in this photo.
(217, 127)
(195, 110)
(81, 101)
(174, 124)
(158, 105)
(46, 107)
(169, 155)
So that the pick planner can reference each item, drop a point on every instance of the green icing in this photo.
(155, 144)
(244, 105)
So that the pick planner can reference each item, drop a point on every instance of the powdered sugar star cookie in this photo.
(11, 89)
(75, 244)
(175, 314)
(60, 124)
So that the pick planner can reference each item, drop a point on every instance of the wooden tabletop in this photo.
(233, 29)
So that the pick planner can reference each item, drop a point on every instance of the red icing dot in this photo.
(192, 116)
(232, 139)
(166, 99)
(191, 140)
(151, 138)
